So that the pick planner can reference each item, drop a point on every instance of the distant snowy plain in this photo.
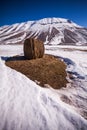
(26, 106)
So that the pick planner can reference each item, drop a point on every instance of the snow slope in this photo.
(49, 30)
(26, 106)
(75, 59)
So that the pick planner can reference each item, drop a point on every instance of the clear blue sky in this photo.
(15, 11)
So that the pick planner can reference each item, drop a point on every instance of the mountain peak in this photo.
(53, 21)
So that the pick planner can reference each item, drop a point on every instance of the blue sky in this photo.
(16, 11)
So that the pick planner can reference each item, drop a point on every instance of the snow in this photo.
(48, 23)
(57, 39)
(59, 21)
(75, 59)
(10, 50)
(51, 20)
(26, 106)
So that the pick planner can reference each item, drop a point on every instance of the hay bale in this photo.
(33, 48)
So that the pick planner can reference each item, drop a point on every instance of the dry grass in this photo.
(46, 70)
(74, 49)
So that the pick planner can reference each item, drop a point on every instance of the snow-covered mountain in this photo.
(50, 30)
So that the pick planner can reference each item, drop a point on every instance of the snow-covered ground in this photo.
(26, 106)
(76, 91)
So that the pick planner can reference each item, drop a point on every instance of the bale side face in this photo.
(33, 48)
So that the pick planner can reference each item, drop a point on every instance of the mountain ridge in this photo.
(50, 30)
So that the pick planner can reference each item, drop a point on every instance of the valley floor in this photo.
(26, 106)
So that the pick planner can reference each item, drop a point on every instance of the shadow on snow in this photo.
(69, 62)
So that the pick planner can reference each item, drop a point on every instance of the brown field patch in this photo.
(47, 70)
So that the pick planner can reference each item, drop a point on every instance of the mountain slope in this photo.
(49, 30)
